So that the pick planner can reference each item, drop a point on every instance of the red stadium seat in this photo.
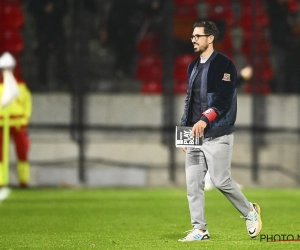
(293, 6)
(11, 41)
(261, 47)
(224, 46)
(186, 11)
(184, 60)
(11, 16)
(264, 75)
(18, 69)
(152, 87)
(180, 87)
(184, 18)
(149, 68)
(182, 27)
(220, 11)
(180, 73)
(11, 2)
(267, 72)
(247, 21)
(149, 44)
(185, 2)
(146, 60)
(263, 89)
(181, 65)
(225, 2)
(153, 72)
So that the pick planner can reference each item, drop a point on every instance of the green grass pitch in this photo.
(139, 219)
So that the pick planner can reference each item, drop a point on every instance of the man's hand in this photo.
(184, 150)
(198, 129)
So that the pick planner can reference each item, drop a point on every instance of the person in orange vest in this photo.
(20, 112)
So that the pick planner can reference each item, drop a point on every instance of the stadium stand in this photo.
(149, 68)
(12, 21)
(235, 21)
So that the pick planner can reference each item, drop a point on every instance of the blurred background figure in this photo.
(126, 23)
(123, 25)
(49, 24)
(280, 36)
(20, 112)
(294, 47)
(103, 15)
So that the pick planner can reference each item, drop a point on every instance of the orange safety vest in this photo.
(20, 108)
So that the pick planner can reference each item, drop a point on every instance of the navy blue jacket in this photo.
(219, 78)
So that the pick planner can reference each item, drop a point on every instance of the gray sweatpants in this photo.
(215, 156)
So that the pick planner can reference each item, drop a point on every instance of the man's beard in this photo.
(201, 49)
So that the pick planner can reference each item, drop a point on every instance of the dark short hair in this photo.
(210, 28)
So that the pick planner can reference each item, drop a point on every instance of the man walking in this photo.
(210, 109)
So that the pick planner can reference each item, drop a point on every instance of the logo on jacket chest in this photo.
(226, 77)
